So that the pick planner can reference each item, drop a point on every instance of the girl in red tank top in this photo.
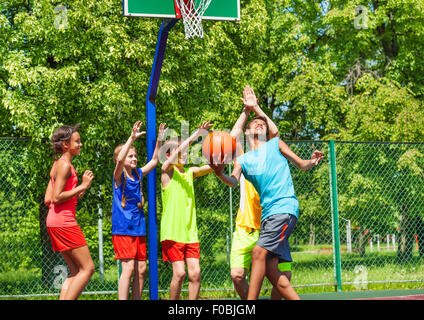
(63, 214)
(61, 197)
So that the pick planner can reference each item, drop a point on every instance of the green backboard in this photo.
(217, 10)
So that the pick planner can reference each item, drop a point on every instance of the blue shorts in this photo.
(274, 236)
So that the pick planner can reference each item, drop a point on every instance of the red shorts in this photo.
(66, 238)
(176, 251)
(129, 247)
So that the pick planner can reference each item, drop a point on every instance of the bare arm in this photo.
(203, 128)
(239, 125)
(120, 160)
(201, 171)
(251, 102)
(155, 158)
(273, 130)
(48, 194)
(231, 181)
(300, 163)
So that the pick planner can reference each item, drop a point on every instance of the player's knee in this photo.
(287, 274)
(91, 269)
(179, 275)
(237, 275)
(142, 269)
(128, 269)
(194, 275)
(283, 282)
(72, 273)
(258, 253)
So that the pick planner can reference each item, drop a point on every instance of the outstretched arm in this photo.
(300, 163)
(238, 129)
(120, 160)
(155, 158)
(251, 102)
(201, 171)
(202, 130)
(239, 125)
(231, 181)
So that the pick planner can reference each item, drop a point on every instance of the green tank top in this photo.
(178, 222)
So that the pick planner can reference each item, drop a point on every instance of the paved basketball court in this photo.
(413, 294)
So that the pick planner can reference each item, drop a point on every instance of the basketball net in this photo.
(192, 13)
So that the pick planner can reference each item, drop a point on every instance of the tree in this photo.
(314, 72)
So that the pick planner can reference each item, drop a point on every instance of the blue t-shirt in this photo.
(129, 221)
(268, 170)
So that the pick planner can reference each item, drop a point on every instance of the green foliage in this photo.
(314, 72)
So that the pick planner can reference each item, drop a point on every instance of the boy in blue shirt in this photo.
(266, 167)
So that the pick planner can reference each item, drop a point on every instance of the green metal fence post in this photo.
(335, 215)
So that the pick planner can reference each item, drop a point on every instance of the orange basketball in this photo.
(219, 146)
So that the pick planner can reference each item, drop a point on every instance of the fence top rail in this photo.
(287, 141)
(15, 138)
(354, 142)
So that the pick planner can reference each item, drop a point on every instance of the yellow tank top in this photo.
(178, 221)
(249, 213)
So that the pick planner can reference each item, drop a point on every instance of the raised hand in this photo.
(204, 128)
(249, 98)
(136, 130)
(162, 131)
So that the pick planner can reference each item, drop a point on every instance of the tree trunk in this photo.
(362, 241)
(406, 237)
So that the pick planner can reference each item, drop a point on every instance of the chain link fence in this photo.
(362, 225)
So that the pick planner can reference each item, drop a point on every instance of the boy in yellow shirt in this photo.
(178, 228)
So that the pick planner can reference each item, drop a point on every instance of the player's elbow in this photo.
(235, 134)
(165, 166)
(47, 198)
(55, 199)
(119, 162)
(305, 165)
(274, 134)
(232, 182)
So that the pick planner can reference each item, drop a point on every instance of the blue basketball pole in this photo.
(151, 143)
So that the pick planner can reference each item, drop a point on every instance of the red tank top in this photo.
(63, 214)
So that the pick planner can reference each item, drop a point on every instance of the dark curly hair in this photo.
(60, 135)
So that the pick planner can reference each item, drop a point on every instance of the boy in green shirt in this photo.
(178, 229)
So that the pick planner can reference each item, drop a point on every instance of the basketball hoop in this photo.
(191, 11)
